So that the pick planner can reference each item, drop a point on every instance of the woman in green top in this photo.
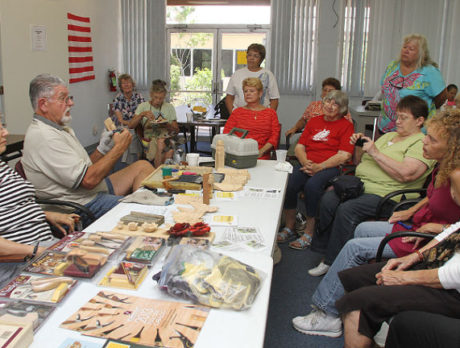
(394, 162)
(158, 120)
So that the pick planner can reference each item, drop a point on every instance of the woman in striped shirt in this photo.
(23, 224)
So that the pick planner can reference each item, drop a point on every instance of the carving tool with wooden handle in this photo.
(103, 244)
(92, 249)
(49, 283)
(126, 272)
(111, 236)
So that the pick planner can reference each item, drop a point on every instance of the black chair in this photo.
(378, 256)
(81, 209)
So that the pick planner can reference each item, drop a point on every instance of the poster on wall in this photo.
(38, 37)
(81, 66)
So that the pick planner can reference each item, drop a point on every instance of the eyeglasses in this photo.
(330, 101)
(64, 99)
(255, 55)
(397, 82)
(328, 89)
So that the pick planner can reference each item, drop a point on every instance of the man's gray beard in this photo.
(66, 119)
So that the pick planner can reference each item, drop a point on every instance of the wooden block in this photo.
(207, 189)
(155, 179)
(15, 334)
(109, 125)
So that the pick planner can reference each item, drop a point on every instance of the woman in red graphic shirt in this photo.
(323, 146)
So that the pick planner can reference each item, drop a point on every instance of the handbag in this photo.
(347, 187)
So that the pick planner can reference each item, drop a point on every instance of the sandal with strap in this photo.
(285, 235)
(303, 242)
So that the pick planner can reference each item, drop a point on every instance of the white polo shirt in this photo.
(55, 162)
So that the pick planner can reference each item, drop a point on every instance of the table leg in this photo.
(192, 138)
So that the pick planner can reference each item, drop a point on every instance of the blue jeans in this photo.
(357, 251)
(102, 203)
(338, 220)
(312, 187)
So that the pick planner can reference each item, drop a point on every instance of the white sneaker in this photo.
(318, 323)
(319, 270)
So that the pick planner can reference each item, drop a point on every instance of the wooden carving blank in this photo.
(109, 125)
(234, 180)
(187, 199)
(194, 214)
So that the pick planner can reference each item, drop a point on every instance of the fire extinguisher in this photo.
(112, 80)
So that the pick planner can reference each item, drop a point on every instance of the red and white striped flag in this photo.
(81, 66)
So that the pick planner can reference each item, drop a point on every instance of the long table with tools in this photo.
(258, 206)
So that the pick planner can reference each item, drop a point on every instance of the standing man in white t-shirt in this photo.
(255, 57)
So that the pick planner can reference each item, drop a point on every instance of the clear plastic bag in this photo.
(210, 278)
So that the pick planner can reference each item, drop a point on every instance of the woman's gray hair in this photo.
(42, 86)
(341, 99)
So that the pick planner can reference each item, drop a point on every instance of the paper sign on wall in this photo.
(38, 37)
(241, 58)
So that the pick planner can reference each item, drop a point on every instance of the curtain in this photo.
(450, 45)
(293, 47)
(144, 40)
(384, 41)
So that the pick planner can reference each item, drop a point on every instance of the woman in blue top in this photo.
(413, 74)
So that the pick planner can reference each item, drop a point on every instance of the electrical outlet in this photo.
(95, 130)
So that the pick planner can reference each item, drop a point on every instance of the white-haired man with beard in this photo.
(58, 165)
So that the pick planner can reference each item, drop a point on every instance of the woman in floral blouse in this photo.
(124, 106)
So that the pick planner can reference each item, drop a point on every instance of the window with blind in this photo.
(144, 40)
(294, 44)
(354, 46)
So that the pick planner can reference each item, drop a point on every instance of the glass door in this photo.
(232, 53)
(203, 60)
(192, 65)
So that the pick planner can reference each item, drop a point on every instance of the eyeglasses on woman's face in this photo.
(331, 102)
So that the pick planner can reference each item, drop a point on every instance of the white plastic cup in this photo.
(193, 159)
(281, 155)
(189, 116)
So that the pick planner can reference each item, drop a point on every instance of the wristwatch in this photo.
(34, 253)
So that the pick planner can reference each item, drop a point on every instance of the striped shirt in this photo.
(21, 218)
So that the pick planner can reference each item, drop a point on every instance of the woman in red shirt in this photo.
(322, 147)
(261, 122)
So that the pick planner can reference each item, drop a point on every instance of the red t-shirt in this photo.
(323, 139)
(263, 126)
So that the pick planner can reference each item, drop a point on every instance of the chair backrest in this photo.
(221, 110)
(20, 169)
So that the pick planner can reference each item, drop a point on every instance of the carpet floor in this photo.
(291, 291)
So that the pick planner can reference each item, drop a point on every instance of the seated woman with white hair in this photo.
(323, 146)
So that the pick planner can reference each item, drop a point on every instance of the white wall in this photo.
(20, 64)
